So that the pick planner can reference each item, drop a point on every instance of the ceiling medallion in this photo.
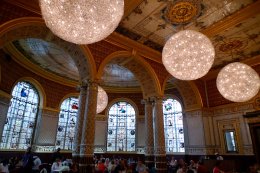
(182, 11)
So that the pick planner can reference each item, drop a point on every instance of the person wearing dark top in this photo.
(27, 161)
(56, 155)
(120, 167)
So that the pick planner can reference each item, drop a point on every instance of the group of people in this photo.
(31, 163)
(120, 165)
(180, 166)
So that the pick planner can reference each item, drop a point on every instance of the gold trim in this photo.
(128, 44)
(24, 62)
(130, 6)
(232, 20)
(5, 94)
(254, 61)
(28, 5)
(122, 90)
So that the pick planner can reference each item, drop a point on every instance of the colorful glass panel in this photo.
(21, 117)
(67, 123)
(173, 126)
(121, 127)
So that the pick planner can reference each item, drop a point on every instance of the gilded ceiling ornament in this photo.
(182, 11)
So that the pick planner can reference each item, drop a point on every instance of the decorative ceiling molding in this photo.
(130, 6)
(232, 20)
(254, 61)
(32, 6)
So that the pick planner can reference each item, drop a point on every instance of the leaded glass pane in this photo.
(21, 117)
(173, 126)
(121, 127)
(67, 123)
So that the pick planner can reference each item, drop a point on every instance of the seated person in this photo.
(4, 166)
(36, 163)
(56, 166)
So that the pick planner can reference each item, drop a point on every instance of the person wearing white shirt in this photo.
(36, 163)
(56, 166)
(4, 166)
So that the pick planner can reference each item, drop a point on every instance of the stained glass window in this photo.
(121, 127)
(173, 126)
(67, 123)
(21, 117)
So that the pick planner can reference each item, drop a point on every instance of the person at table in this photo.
(28, 160)
(56, 155)
(56, 166)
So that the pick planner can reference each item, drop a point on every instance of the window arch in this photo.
(67, 123)
(121, 127)
(21, 117)
(173, 126)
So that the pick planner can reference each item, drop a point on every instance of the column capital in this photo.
(148, 100)
(157, 99)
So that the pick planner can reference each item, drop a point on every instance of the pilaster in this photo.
(88, 134)
(159, 139)
(5, 99)
(79, 125)
(149, 138)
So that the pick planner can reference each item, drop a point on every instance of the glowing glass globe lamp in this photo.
(238, 82)
(188, 55)
(102, 100)
(82, 21)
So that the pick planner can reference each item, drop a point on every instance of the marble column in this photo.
(159, 139)
(149, 140)
(79, 125)
(86, 164)
(4, 105)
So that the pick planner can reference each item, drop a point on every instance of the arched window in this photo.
(173, 126)
(67, 122)
(21, 117)
(121, 127)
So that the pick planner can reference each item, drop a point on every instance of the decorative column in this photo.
(5, 99)
(79, 125)
(159, 139)
(86, 164)
(149, 140)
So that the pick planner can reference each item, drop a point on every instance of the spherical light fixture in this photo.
(102, 100)
(82, 21)
(188, 55)
(238, 82)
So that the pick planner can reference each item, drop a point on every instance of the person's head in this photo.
(5, 162)
(192, 162)
(200, 162)
(58, 149)
(57, 160)
(29, 149)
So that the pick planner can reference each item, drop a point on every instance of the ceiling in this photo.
(233, 26)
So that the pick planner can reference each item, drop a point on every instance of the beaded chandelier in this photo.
(82, 21)
(188, 55)
(102, 100)
(238, 82)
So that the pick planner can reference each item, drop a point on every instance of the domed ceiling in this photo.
(53, 59)
(233, 26)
